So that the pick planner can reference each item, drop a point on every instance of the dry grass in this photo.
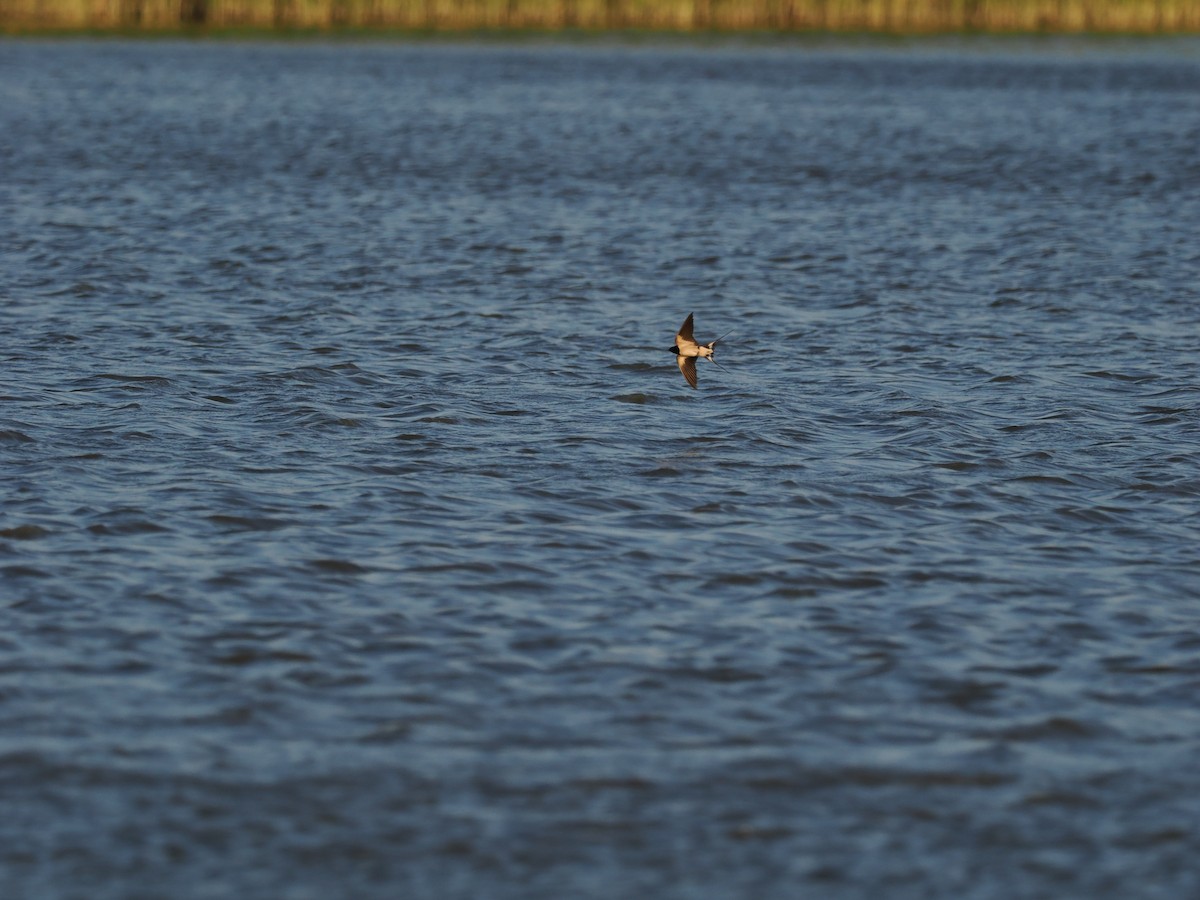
(888, 16)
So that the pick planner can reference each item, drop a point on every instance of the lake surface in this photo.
(360, 537)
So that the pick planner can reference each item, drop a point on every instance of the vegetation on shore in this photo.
(884, 16)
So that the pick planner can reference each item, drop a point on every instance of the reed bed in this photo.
(886, 16)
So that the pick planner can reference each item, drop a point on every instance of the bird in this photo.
(687, 350)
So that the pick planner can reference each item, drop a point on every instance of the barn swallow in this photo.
(687, 351)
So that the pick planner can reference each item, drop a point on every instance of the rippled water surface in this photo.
(360, 537)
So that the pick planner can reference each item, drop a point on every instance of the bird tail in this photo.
(712, 345)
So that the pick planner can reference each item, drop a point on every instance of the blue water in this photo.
(360, 537)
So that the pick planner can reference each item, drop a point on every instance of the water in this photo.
(360, 538)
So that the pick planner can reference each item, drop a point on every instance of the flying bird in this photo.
(687, 351)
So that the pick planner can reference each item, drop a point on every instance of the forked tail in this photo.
(712, 347)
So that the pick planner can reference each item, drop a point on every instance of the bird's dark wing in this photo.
(687, 365)
(685, 332)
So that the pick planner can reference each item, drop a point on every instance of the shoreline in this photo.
(632, 36)
(587, 19)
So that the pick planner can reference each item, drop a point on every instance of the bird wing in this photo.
(684, 342)
(687, 365)
(685, 332)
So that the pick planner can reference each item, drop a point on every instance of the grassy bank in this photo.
(887, 16)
